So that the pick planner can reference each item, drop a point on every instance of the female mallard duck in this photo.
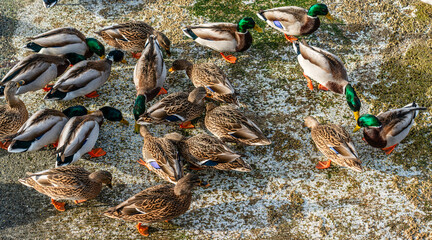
(49, 3)
(295, 21)
(12, 115)
(84, 78)
(229, 124)
(205, 151)
(37, 70)
(42, 128)
(329, 71)
(335, 143)
(68, 183)
(161, 156)
(61, 41)
(210, 76)
(149, 76)
(224, 37)
(80, 133)
(176, 107)
(156, 204)
(132, 36)
(388, 129)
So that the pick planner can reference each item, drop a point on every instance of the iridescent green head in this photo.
(113, 114)
(247, 23)
(319, 9)
(352, 100)
(139, 107)
(75, 111)
(96, 47)
(74, 58)
(367, 120)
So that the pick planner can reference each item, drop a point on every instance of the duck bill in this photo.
(258, 29)
(102, 57)
(329, 16)
(171, 70)
(123, 61)
(123, 121)
(357, 127)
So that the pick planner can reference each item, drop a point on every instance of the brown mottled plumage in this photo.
(335, 143)
(132, 36)
(161, 156)
(14, 114)
(68, 183)
(210, 76)
(229, 124)
(157, 203)
(205, 151)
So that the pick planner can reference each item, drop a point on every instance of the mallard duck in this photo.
(224, 37)
(42, 128)
(161, 156)
(132, 36)
(149, 76)
(210, 76)
(229, 124)
(37, 70)
(61, 41)
(14, 114)
(156, 204)
(293, 20)
(80, 133)
(329, 71)
(427, 1)
(388, 129)
(335, 143)
(84, 78)
(50, 3)
(68, 183)
(176, 107)
(205, 151)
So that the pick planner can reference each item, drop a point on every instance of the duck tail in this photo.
(17, 146)
(55, 95)
(63, 161)
(189, 33)
(33, 46)
(145, 119)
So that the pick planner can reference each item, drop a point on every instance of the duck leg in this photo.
(136, 55)
(97, 152)
(229, 58)
(142, 162)
(390, 149)
(58, 205)
(290, 38)
(323, 164)
(143, 230)
(162, 91)
(80, 201)
(47, 87)
(55, 144)
(321, 87)
(4, 145)
(186, 125)
(309, 82)
(93, 94)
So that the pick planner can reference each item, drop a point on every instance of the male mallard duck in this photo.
(14, 114)
(149, 76)
(49, 3)
(210, 76)
(295, 20)
(42, 128)
(69, 183)
(80, 133)
(229, 124)
(335, 143)
(161, 156)
(329, 71)
(388, 129)
(61, 41)
(84, 78)
(176, 107)
(205, 151)
(132, 36)
(37, 70)
(156, 204)
(224, 37)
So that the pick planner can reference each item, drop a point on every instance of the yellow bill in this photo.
(329, 16)
(123, 121)
(102, 57)
(356, 128)
(258, 29)
(171, 70)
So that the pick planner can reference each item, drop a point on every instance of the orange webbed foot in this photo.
(162, 91)
(55, 144)
(143, 230)
(97, 152)
(136, 55)
(93, 94)
(309, 82)
(290, 38)
(229, 58)
(4, 145)
(58, 205)
(323, 165)
(390, 149)
(321, 87)
(47, 87)
(80, 201)
(186, 125)
(142, 162)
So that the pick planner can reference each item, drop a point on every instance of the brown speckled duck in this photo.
(68, 183)
(229, 124)
(205, 151)
(156, 204)
(335, 143)
(210, 76)
(161, 155)
(12, 115)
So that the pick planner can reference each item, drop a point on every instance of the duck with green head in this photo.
(388, 129)
(328, 70)
(224, 37)
(295, 21)
(61, 41)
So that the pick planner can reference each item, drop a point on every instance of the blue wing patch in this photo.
(210, 163)
(173, 118)
(278, 24)
(209, 88)
(334, 150)
(155, 165)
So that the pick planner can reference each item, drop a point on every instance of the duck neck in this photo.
(183, 189)
(13, 101)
